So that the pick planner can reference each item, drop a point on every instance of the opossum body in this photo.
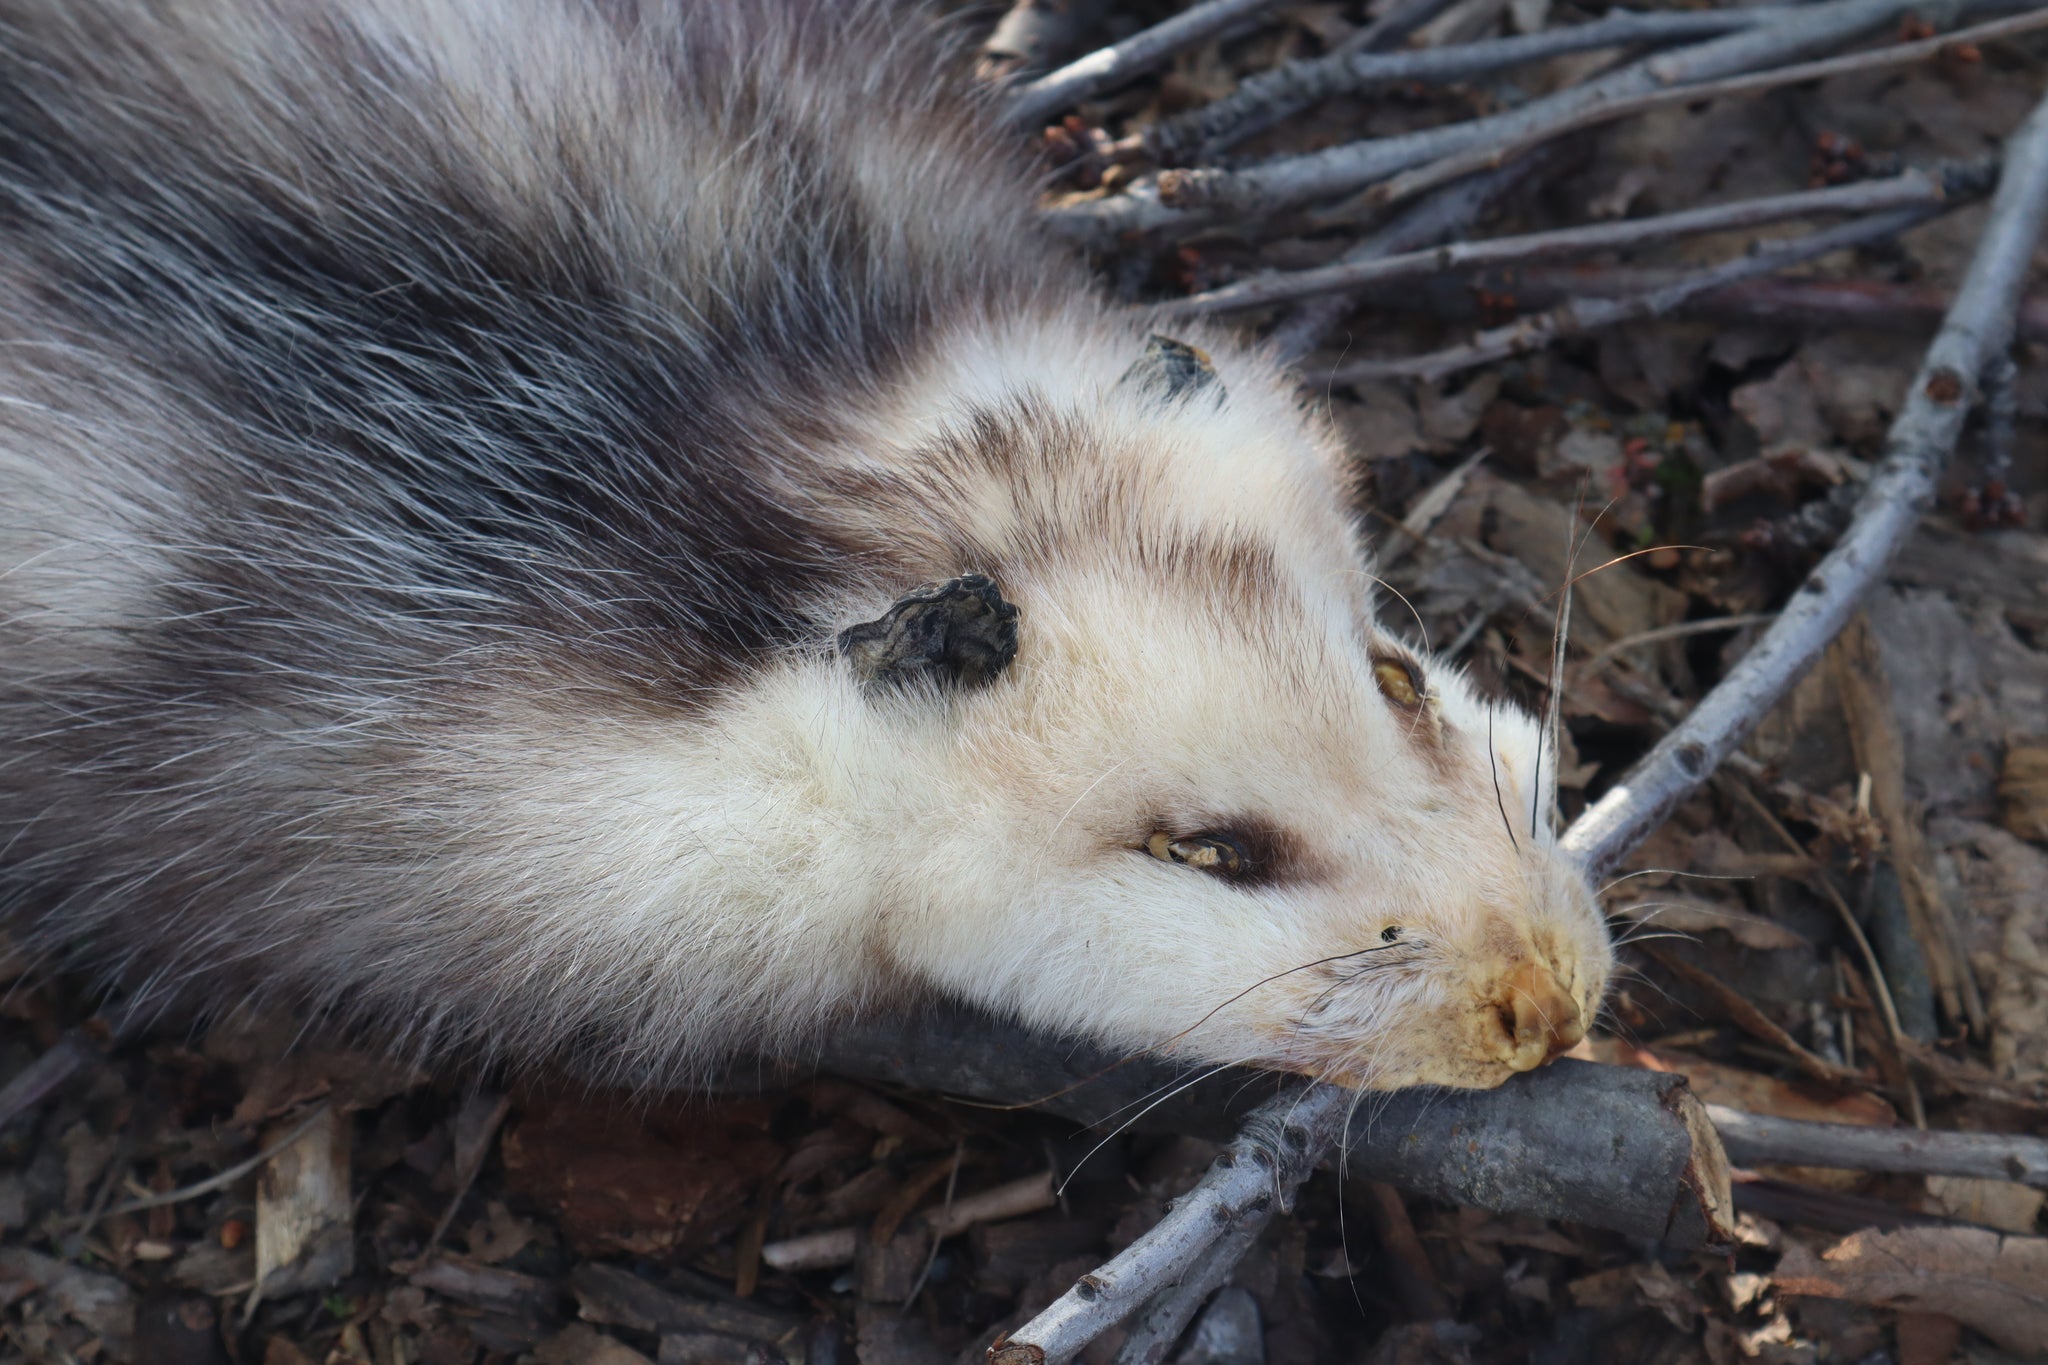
(601, 531)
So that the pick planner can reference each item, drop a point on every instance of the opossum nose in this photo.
(1538, 1016)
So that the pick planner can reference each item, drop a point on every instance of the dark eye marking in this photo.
(1400, 680)
(1390, 934)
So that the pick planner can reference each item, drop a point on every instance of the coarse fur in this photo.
(439, 445)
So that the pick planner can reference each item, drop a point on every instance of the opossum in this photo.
(602, 533)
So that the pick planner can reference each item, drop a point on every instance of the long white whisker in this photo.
(1119, 1129)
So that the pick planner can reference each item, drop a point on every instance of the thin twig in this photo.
(2001, 419)
(1783, 300)
(33, 1084)
(1760, 1138)
(1389, 29)
(1676, 631)
(1280, 1143)
(1288, 89)
(219, 1181)
(1979, 327)
(1753, 1021)
(1914, 187)
(838, 1246)
(1194, 197)
(1439, 217)
(1134, 56)
(1457, 166)
(1579, 316)
(1160, 1324)
(1887, 1008)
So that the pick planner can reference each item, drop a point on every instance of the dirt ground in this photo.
(1885, 838)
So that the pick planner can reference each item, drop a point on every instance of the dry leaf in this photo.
(1782, 410)
(2002, 1204)
(2023, 791)
(1992, 1283)
(659, 1184)
(2005, 881)
(581, 1344)
(1719, 1083)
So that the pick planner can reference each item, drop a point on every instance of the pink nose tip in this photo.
(1538, 1017)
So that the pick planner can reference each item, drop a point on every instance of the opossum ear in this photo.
(959, 632)
(1172, 369)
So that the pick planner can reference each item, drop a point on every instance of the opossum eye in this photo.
(1209, 852)
(1390, 934)
(1399, 680)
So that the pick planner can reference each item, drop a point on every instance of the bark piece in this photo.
(2023, 791)
(305, 1218)
(579, 1344)
(674, 1183)
(612, 1297)
(1227, 1333)
(1994, 1284)
(96, 1301)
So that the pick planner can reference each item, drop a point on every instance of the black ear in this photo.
(1172, 369)
(958, 632)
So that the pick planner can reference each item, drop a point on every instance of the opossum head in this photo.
(1159, 769)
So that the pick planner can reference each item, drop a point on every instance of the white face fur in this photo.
(1214, 805)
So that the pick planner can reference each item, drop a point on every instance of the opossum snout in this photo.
(1537, 1017)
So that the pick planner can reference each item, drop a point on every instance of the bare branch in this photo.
(1134, 56)
(1978, 328)
(1465, 163)
(1783, 300)
(1754, 1139)
(1286, 90)
(1452, 210)
(1914, 188)
(1585, 315)
(1193, 197)
(1159, 1326)
(1279, 1144)
(1440, 216)
(1397, 23)
(34, 1083)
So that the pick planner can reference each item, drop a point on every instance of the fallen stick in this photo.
(35, 1082)
(1783, 300)
(1579, 316)
(1459, 165)
(1294, 86)
(1111, 66)
(1615, 1148)
(1154, 1331)
(1382, 33)
(1278, 1145)
(1979, 327)
(1609, 1146)
(1439, 217)
(838, 1246)
(1195, 197)
(1913, 188)
(1760, 1139)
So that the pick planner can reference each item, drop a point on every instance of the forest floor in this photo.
(1893, 811)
